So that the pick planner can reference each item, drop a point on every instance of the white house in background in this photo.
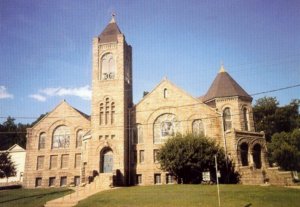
(18, 155)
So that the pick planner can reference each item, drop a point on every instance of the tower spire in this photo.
(113, 14)
(222, 69)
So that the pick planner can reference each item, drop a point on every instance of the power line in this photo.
(185, 105)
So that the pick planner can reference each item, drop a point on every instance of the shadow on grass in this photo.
(248, 205)
(37, 196)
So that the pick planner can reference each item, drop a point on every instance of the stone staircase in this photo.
(273, 176)
(100, 183)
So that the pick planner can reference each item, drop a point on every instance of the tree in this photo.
(271, 118)
(186, 157)
(11, 133)
(285, 150)
(7, 167)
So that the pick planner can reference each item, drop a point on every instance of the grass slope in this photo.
(30, 197)
(195, 195)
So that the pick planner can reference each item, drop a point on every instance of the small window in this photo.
(155, 153)
(42, 140)
(64, 161)
(77, 180)
(38, 182)
(51, 181)
(227, 119)
(139, 179)
(169, 178)
(142, 156)
(157, 179)
(63, 181)
(53, 161)
(77, 160)
(165, 93)
(40, 162)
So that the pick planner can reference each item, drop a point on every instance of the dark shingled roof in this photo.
(225, 86)
(110, 33)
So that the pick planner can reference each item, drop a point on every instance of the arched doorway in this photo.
(106, 161)
(257, 156)
(244, 154)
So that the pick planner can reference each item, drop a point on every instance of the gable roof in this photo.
(110, 33)
(60, 105)
(16, 148)
(225, 86)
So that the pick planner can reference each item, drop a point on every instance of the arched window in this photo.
(244, 154)
(165, 125)
(79, 138)
(101, 118)
(246, 119)
(42, 139)
(198, 127)
(140, 137)
(227, 119)
(61, 137)
(257, 156)
(107, 112)
(108, 67)
(112, 113)
(165, 93)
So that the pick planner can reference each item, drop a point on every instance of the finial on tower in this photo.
(222, 69)
(113, 14)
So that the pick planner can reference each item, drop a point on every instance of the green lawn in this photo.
(30, 197)
(195, 195)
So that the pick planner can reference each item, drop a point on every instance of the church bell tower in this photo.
(111, 98)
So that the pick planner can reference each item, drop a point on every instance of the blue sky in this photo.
(45, 48)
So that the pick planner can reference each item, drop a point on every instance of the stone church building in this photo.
(119, 141)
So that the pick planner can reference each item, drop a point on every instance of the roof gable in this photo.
(63, 109)
(16, 148)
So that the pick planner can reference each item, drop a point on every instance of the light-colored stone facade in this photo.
(120, 140)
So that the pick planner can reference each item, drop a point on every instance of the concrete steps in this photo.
(100, 183)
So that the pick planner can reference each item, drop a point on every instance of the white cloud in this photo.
(38, 97)
(4, 94)
(83, 92)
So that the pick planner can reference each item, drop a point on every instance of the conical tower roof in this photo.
(110, 33)
(225, 86)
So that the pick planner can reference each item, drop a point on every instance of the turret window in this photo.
(246, 119)
(227, 119)
(108, 67)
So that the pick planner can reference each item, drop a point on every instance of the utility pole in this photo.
(216, 163)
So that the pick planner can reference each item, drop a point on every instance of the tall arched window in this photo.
(107, 112)
(112, 113)
(246, 118)
(108, 67)
(61, 137)
(42, 139)
(227, 119)
(101, 118)
(198, 127)
(139, 133)
(79, 138)
(165, 125)
(257, 156)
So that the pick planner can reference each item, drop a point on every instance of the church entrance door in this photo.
(107, 161)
